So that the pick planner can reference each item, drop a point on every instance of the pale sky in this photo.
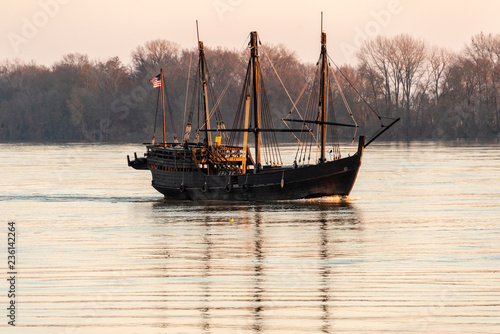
(45, 30)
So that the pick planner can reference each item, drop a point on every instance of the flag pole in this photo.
(163, 106)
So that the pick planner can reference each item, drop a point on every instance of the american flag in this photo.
(156, 81)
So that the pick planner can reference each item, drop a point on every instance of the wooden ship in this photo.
(227, 164)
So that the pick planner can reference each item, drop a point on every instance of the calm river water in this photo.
(414, 249)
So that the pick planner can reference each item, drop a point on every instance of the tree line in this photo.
(439, 94)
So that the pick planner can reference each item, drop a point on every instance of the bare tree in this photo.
(483, 51)
(440, 60)
(409, 58)
(374, 57)
(148, 58)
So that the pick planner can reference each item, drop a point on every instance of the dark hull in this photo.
(325, 179)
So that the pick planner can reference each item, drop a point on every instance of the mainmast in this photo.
(256, 96)
(208, 135)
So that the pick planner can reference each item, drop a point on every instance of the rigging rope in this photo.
(384, 127)
(215, 109)
(156, 116)
(171, 115)
(279, 78)
(302, 146)
(347, 107)
(294, 105)
(357, 92)
(312, 105)
(271, 149)
(187, 88)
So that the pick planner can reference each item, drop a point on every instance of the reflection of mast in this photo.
(205, 311)
(259, 258)
(325, 274)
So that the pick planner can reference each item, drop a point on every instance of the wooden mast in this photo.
(163, 106)
(256, 96)
(245, 135)
(208, 134)
(323, 92)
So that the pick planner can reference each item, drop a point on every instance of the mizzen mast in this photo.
(323, 93)
(163, 106)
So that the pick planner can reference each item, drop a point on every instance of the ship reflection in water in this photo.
(255, 268)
